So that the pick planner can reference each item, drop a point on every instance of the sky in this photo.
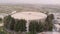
(31, 1)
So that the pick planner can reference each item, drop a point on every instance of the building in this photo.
(29, 15)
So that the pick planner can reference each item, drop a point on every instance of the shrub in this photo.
(27, 32)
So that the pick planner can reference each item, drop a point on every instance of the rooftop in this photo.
(29, 15)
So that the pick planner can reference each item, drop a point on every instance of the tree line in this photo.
(34, 26)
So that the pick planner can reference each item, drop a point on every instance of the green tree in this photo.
(36, 26)
(33, 26)
(40, 27)
(50, 17)
(48, 26)
(20, 25)
(7, 20)
(48, 23)
(11, 24)
(17, 25)
(0, 19)
(23, 25)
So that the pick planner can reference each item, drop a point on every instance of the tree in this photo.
(23, 25)
(36, 26)
(7, 20)
(40, 27)
(50, 17)
(33, 27)
(17, 25)
(12, 23)
(48, 26)
(48, 23)
(20, 25)
(0, 19)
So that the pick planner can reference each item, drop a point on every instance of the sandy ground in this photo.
(1, 24)
(49, 33)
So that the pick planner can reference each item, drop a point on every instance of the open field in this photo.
(27, 7)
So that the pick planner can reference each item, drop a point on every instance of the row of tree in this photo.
(34, 26)
(14, 24)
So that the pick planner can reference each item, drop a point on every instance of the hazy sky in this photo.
(32, 1)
